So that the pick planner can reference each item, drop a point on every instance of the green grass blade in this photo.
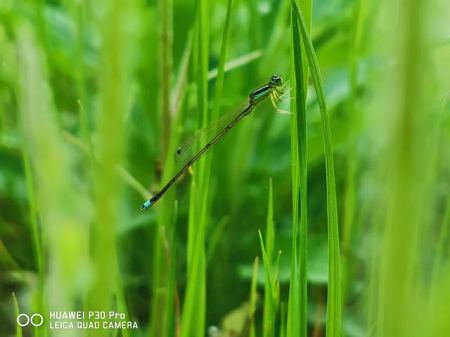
(269, 305)
(17, 312)
(334, 288)
(406, 158)
(276, 285)
(194, 306)
(205, 165)
(120, 299)
(166, 212)
(441, 247)
(270, 228)
(126, 176)
(299, 157)
(116, 38)
(192, 320)
(86, 133)
(36, 235)
(180, 83)
(253, 298)
(236, 63)
(439, 261)
(199, 202)
(52, 165)
(171, 251)
(166, 36)
(301, 88)
(269, 316)
(277, 39)
(221, 67)
(350, 189)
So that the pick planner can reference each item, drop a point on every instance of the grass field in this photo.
(330, 220)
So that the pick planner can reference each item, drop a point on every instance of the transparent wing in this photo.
(187, 150)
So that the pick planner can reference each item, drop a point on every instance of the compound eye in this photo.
(275, 80)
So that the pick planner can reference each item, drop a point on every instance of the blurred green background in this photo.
(95, 96)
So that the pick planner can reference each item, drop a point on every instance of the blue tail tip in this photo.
(146, 205)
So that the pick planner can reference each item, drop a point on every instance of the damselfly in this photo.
(192, 149)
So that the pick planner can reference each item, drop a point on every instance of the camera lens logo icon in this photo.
(35, 320)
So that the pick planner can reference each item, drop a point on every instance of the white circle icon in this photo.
(23, 315)
(35, 324)
(33, 321)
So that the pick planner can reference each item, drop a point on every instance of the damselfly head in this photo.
(276, 81)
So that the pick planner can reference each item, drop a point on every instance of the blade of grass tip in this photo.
(334, 288)
(268, 319)
(253, 298)
(133, 183)
(126, 176)
(17, 311)
(236, 63)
